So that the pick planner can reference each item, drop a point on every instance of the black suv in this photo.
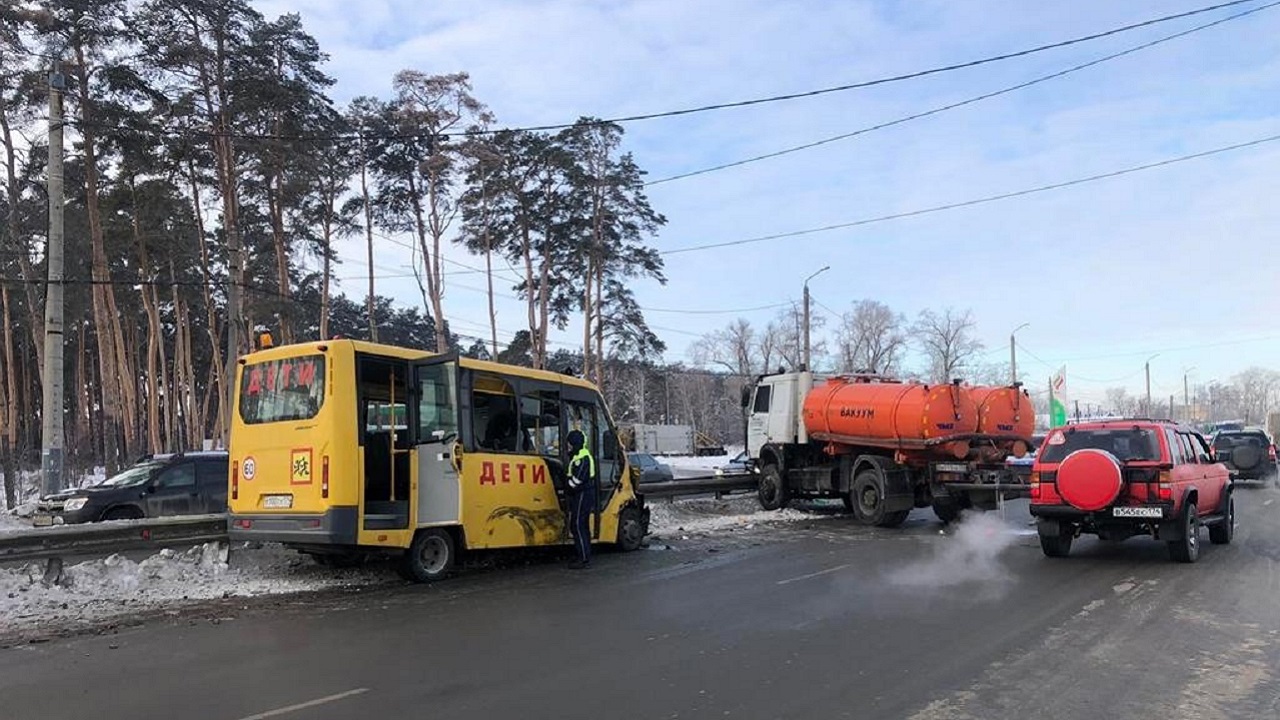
(1249, 454)
(189, 484)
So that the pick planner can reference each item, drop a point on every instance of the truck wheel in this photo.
(1187, 548)
(1055, 538)
(1223, 532)
(630, 529)
(867, 498)
(773, 489)
(429, 557)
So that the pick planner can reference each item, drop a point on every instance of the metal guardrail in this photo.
(700, 485)
(116, 536)
(109, 537)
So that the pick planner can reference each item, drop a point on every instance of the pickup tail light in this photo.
(1165, 491)
(235, 480)
(324, 476)
(1035, 486)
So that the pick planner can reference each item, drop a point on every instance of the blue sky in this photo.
(1180, 261)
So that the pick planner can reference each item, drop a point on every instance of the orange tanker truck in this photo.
(885, 446)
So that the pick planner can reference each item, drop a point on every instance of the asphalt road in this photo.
(820, 619)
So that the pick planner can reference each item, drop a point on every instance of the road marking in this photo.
(1269, 502)
(307, 704)
(812, 575)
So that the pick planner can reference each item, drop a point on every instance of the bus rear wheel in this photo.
(430, 557)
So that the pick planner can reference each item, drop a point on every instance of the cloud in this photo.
(1149, 261)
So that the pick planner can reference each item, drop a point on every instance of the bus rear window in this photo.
(278, 390)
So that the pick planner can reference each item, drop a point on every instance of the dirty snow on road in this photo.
(99, 590)
(704, 516)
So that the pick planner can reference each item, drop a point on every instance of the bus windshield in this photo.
(285, 389)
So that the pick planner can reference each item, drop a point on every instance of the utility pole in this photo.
(52, 440)
(1170, 406)
(1147, 366)
(1013, 356)
(807, 361)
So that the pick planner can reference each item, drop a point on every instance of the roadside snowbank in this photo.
(704, 516)
(705, 463)
(115, 586)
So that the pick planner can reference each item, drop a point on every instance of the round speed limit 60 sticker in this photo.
(250, 468)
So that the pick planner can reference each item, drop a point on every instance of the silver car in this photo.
(651, 471)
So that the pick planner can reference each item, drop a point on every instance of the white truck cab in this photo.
(775, 413)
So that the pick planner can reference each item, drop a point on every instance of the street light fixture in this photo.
(806, 314)
(1013, 354)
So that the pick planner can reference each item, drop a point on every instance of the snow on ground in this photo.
(10, 523)
(28, 484)
(99, 590)
(701, 516)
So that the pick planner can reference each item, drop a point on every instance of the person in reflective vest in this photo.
(582, 497)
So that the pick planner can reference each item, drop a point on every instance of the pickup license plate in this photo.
(1137, 512)
(277, 502)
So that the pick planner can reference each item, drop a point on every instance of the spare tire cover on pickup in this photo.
(1246, 457)
(1089, 479)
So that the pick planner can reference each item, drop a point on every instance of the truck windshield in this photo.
(285, 389)
(1127, 444)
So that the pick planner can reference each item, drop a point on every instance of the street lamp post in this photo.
(1013, 355)
(1147, 367)
(1186, 393)
(806, 314)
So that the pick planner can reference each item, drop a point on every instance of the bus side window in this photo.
(540, 422)
(495, 421)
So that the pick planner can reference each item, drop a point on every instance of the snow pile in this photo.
(705, 516)
(705, 464)
(28, 484)
(116, 586)
(11, 523)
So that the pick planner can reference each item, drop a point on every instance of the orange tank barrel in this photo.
(1004, 410)
(889, 414)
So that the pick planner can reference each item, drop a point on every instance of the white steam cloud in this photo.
(970, 555)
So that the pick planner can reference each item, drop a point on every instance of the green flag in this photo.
(1058, 398)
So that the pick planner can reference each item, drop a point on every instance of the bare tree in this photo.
(947, 340)
(1255, 387)
(1120, 402)
(870, 338)
(734, 348)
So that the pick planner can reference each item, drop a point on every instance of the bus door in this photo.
(584, 412)
(383, 397)
(436, 441)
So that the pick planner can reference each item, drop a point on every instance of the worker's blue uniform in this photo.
(581, 495)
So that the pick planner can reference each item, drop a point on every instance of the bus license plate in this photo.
(1137, 512)
(277, 502)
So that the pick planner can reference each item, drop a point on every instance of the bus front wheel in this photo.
(430, 557)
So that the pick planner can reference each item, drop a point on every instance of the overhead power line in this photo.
(970, 203)
(743, 103)
(959, 104)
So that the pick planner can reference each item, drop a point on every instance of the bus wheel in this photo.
(630, 529)
(429, 557)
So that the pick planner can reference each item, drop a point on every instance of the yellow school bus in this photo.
(344, 448)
